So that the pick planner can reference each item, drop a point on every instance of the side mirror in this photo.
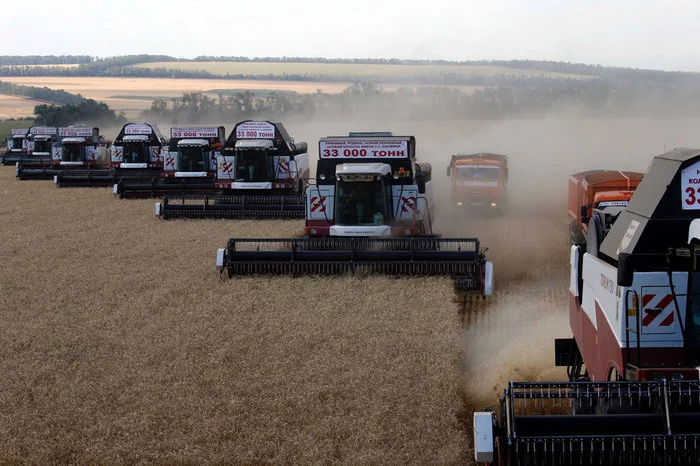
(449, 171)
(625, 269)
(420, 182)
(584, 213)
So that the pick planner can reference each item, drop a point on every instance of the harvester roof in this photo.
(140, 132)
(359, 169)
(254, 144)
(274, 132)
(660, 211)
(193, 142)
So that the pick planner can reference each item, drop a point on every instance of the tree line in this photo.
(369, 101)
(123, 66)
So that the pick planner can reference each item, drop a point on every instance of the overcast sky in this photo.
(659, 34)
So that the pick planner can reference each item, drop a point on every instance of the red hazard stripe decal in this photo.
(649, 318)
(318, 205)
(646, 298)
(667, 321)
(665, 302)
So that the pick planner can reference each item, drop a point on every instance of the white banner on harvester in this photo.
(83, 131)
(690, 187)
(193, 132)
(363, 149)
(255, 130)
(137, 128)
(42, 130)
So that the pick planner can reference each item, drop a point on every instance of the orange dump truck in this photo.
(479, 181)
(606, 190)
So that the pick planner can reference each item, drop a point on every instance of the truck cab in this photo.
(479, 181)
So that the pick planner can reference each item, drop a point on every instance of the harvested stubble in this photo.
(121, 344)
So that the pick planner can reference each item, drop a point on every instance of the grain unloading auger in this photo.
(260, 173)
(633, 395)
(370, 212)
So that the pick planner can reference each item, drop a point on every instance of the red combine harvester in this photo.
(608, 190)
(189, 166)
(15, 146)
(38, 146)
(633, 394)
(479, 181)
(137, 154)
(261, 172)
(369, 212)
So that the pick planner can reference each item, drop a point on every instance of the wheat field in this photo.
(121, 344)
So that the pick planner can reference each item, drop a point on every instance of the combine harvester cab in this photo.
(189, 166)
(370, 212)
(479, 182)
(36, 159)
(137, 157)
(603, 190)
(261, 173)
(15, 147)
(76, 162)
(633, 395)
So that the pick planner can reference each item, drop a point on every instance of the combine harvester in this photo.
(189, 166)
(261, 173)
(633, 395)
(15, 149)
(479, 182)
(39, 144)
(370, 211)
(603, 190)
(75, 148)
(137, 154)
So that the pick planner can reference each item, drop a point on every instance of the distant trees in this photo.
(89, 110)
(370, 101)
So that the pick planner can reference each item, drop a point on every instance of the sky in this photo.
(647, 34)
